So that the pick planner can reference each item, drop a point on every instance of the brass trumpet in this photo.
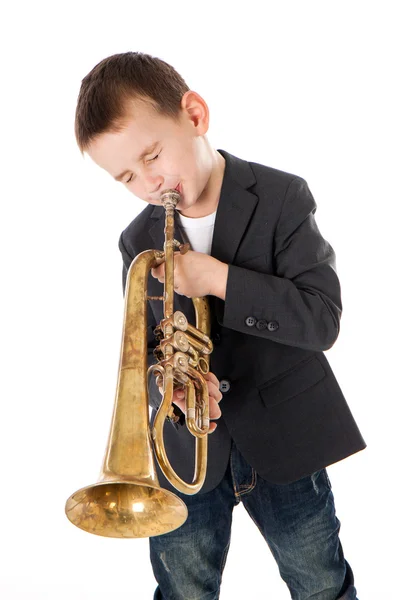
(127, 500)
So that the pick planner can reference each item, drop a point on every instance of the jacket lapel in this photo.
(235, 208)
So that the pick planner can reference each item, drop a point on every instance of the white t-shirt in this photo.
(197, 231)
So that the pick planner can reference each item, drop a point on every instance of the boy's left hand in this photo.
(195, 273)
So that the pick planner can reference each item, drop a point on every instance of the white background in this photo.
(306, 87)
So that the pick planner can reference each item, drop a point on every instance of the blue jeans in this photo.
(297, 521)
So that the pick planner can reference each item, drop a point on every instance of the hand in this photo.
(214, 397)
(195, 273)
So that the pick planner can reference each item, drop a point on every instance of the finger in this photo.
(214, 409)
(180, 404)
(158, 271)
(211, 377)
(176, 399)
(213, 427)
(214, 391)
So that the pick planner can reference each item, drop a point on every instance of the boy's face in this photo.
(177, 153)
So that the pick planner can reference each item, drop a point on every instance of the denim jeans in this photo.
(297, 521)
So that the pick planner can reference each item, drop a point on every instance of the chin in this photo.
(181, 205)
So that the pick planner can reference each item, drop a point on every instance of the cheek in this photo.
(169, 169)
(181, 165)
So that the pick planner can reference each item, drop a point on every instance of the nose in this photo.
(152, 189)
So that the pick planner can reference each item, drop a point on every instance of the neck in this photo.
(208, 201)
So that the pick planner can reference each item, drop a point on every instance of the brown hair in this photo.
(105, 93)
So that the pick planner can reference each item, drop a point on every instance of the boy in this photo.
(270, 277)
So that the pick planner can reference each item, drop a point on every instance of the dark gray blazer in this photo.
(282, 404)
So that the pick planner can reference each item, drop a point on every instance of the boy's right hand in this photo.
(214, 397)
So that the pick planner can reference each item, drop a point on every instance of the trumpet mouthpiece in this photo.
(170, 197)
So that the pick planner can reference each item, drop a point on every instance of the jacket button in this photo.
(261, 324)
(224, 385)
(273, 325)
(250, 321)
(216, 338)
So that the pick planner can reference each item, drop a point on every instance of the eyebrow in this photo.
(145, 152)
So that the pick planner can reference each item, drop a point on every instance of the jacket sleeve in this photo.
(300, 305)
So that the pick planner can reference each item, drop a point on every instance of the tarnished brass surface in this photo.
(127, 500)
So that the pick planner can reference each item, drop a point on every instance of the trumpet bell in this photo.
(125, 509)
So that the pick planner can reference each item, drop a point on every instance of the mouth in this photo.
(179, 190)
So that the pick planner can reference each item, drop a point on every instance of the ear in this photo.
(197, 110)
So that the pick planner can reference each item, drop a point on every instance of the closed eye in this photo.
(150, 160)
